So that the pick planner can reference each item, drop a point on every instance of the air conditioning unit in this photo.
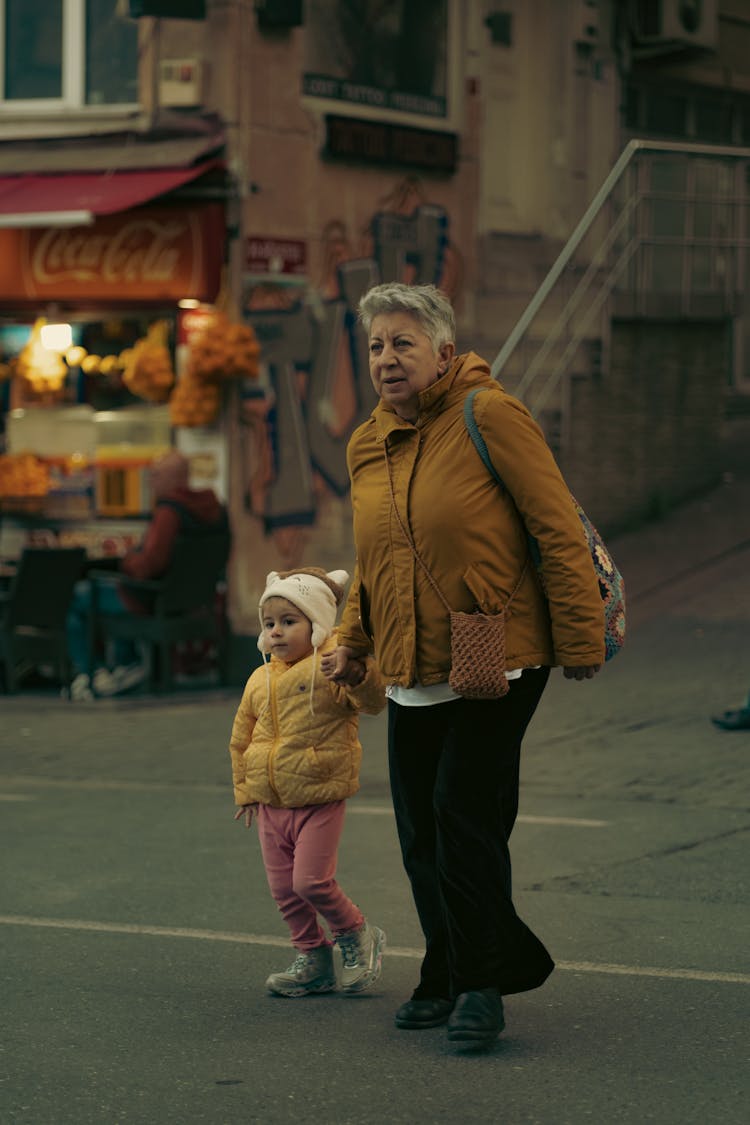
(687, 23)
(162, 9)
(180, 82)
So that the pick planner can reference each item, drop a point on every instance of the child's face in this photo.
(287, 632)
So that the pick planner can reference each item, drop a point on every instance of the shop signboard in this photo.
(148, 254)
(264, 255)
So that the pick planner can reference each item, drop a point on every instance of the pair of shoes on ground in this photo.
(313, 971)
(733, 720)
(474, 1021)
(120, 679)
(105, 682)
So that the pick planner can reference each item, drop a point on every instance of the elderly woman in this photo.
(419, 485)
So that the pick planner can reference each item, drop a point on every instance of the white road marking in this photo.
(393, 951)
(355, 808)
(565, 821)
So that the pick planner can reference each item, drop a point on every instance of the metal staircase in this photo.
(665, 237)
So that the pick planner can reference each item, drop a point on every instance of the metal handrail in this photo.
(592, 211)
(575, 299)
(589, 315)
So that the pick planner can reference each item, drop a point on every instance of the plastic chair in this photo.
(182, 607)
(34, 609)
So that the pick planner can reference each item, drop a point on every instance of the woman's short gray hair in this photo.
(425, 303)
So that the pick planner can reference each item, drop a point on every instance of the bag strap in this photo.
(476, 437)
(408, 537)
(484, 453)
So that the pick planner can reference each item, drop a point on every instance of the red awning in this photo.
(76, 198)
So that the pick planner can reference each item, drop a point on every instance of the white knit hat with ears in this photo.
(314, 592)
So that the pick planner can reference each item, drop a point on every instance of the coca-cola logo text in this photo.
(143, 250)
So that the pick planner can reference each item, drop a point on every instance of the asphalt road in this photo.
(137, 930)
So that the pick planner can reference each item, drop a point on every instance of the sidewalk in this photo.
(661, 560)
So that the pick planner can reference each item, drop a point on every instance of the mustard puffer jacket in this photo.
(468, 532)
(287, 755)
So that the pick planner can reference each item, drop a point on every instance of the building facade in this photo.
(459, 142)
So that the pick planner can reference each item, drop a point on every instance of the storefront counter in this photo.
(102, 538)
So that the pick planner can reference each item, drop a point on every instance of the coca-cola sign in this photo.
(147, 254)
(142, 250)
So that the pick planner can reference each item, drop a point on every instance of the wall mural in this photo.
(315, 386)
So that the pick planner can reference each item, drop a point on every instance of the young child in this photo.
(295, 759)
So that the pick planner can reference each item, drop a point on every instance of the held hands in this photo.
(245, 812)
(585, 673)
(343, 667)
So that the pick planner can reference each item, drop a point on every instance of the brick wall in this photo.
(645, 435)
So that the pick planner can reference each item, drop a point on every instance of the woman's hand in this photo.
(246, 812)
(584, 673)
(343, 667)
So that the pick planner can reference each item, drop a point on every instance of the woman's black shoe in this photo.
(415, 1014)
(477, 1018)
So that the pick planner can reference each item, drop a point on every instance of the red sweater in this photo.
(182, 511)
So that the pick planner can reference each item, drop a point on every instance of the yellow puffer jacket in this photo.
(468, 533)
(287, 756)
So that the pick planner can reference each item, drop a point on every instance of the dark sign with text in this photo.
(376, 142)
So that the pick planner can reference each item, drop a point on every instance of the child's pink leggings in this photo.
(300, 848)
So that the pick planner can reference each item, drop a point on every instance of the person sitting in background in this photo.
(178, 510)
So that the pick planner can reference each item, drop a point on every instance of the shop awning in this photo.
(75, 199)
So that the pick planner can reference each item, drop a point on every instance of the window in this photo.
(66, 53)
(687, 113)
(383, 58)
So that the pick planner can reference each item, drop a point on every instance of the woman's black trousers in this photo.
(454, 770)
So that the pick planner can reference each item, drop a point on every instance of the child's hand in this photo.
(246, 812)
(343, 667)
(333, 664)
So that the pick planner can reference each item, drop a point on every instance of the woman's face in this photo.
(403, 361)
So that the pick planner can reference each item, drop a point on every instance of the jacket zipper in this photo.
(272, 752)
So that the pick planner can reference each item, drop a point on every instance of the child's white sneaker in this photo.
(362, 953)
(309, 973)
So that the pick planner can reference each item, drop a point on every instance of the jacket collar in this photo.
(466, 371)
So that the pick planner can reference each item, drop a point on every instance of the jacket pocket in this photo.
(318, 764)
(364, 612)
(487, 597)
